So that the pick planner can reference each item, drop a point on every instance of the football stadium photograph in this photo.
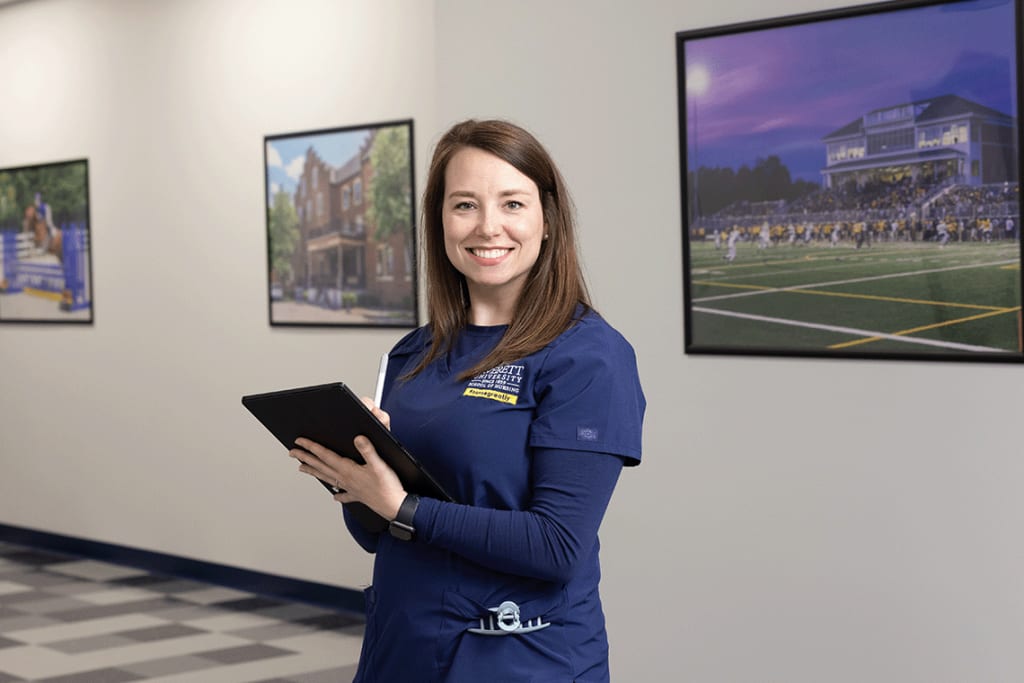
(851, 184)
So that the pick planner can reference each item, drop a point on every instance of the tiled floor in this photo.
(67, 620)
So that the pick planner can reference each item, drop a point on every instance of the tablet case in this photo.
(332, 415)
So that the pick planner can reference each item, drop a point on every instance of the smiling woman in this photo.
(525, 405)
(493, 229)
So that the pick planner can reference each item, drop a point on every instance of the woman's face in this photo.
(493, 225)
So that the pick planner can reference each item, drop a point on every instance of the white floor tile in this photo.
(229, 622)
(94, 570)
(115, 596)
(259, 670)
(33, 661)
(10, 588)
(83, 629)
(208, 596)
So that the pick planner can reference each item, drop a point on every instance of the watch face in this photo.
(400, 531)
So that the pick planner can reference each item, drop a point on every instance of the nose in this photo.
(490, 223)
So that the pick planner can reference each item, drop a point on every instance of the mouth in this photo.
(488, 253)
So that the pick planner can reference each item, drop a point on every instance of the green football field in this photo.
(898, 298)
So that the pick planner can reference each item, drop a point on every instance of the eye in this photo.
(463, 206)
(514, 204)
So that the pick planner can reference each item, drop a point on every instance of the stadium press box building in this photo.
(933, 140)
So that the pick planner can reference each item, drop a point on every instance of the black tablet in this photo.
(333, 416)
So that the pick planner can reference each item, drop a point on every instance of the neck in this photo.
(490, 308)
(486, 317)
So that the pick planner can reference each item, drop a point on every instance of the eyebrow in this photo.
(472, 195)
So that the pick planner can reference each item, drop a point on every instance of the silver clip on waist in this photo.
(504, 621)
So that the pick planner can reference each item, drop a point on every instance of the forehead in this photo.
(473, 169)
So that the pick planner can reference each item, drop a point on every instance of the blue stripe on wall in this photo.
(271, 585)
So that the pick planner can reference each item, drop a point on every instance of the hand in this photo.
(377, 412)
(374, 484)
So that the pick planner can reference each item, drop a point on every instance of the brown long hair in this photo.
(555, 288)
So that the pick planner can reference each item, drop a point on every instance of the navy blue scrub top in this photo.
(474, 597)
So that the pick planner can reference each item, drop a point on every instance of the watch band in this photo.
(401, 526)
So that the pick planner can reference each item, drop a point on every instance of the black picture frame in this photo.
(850, 183)
(45, 244)
(341, 227)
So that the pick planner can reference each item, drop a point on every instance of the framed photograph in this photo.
(341, 238)
(45, 264)
(851, 183)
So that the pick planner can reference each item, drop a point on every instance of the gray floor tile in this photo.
(169, 666)
(25, 621)
(34, 595)
(185, 613)
(82, 613)
(56, 605)
(153, 633)
(339, 675)
(34, 558)
(7, 642)
(263, 634)
(333, 621)
(74, 604)
(76, 646)
(245, 653)
(39, 579)
(160, 584)
(94, 676)
(292, 612)
(249, 604)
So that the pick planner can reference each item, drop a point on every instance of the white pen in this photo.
(378, 393)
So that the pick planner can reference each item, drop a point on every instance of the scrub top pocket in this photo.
(478, 643)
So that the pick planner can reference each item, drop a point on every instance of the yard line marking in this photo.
(873, 278)
(901, 300)
(933, 326)
(869, 297)
(851, 330)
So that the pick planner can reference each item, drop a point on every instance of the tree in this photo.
(768, 180)
(390, 187)
(283, 224)
(10, 214)
(63, 188)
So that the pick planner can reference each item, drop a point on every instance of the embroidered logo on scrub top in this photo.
(497, 384)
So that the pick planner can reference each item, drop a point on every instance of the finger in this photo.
(323, 453)
(367, 450)
(377, 412)
(311, 464)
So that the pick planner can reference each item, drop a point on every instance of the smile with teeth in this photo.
(488, 253)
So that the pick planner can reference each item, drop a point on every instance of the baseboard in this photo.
(270, 585)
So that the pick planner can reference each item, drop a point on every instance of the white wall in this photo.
(131, 431)
(793, 521)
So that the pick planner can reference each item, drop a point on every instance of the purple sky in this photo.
(780, 90)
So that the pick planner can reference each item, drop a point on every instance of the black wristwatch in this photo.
(401, 526)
